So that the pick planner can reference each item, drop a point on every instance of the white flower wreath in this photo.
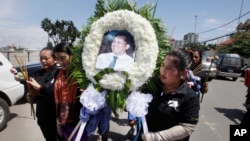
(145, 42)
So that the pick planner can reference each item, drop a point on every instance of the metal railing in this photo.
(27, 57)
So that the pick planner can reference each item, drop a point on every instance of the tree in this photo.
(240, 45)
(60, 31)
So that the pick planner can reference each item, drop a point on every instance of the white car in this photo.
(10, 90)
(208, 66)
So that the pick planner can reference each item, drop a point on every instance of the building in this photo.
(191, 38)
(188, 38)
(8, 49)
(244, 26)
(179, 43)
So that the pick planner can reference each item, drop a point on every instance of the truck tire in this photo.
(4, 114)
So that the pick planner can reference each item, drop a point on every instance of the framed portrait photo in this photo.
(117, 51)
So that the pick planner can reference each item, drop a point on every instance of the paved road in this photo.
(22, 126)
(221, 107)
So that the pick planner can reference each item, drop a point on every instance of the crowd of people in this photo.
(172, 114)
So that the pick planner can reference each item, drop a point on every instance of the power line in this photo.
(224, 24)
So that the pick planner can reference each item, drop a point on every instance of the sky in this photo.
(20, 20)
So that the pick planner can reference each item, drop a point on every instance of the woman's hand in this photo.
(204, 88)
(35, 85)
(13, 71)
(30, 98)
(190, 84)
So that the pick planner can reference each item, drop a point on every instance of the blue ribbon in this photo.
(139, 125)
(85, 113)
(97, 118)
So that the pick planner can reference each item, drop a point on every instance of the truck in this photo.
(11, 90)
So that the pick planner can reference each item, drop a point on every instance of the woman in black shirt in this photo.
(174, 111)
(42, 90)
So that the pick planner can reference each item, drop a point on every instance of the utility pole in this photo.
(195, 37)
(195, 24)
(240, 11)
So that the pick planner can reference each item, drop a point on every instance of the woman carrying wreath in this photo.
(174, 111)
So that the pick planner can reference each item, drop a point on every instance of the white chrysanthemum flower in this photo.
(113, 81)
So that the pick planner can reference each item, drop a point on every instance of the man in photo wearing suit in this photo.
(118, 58)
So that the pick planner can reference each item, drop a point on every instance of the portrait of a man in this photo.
(117, 51)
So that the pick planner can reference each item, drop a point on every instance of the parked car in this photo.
(11, 90)
(208, 64)
(31, 67)
(229, 65)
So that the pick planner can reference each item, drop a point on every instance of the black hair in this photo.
(182, 60)
(129, 38)
(63, 47)
(50, 48)
(199, 51)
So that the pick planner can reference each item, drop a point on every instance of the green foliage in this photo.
(60, 31)
(240, 45)
(78, 73)
(49, 44)
(212, 46)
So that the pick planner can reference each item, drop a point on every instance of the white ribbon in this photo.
(93, 101)
(80, 131)
(137, 104)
